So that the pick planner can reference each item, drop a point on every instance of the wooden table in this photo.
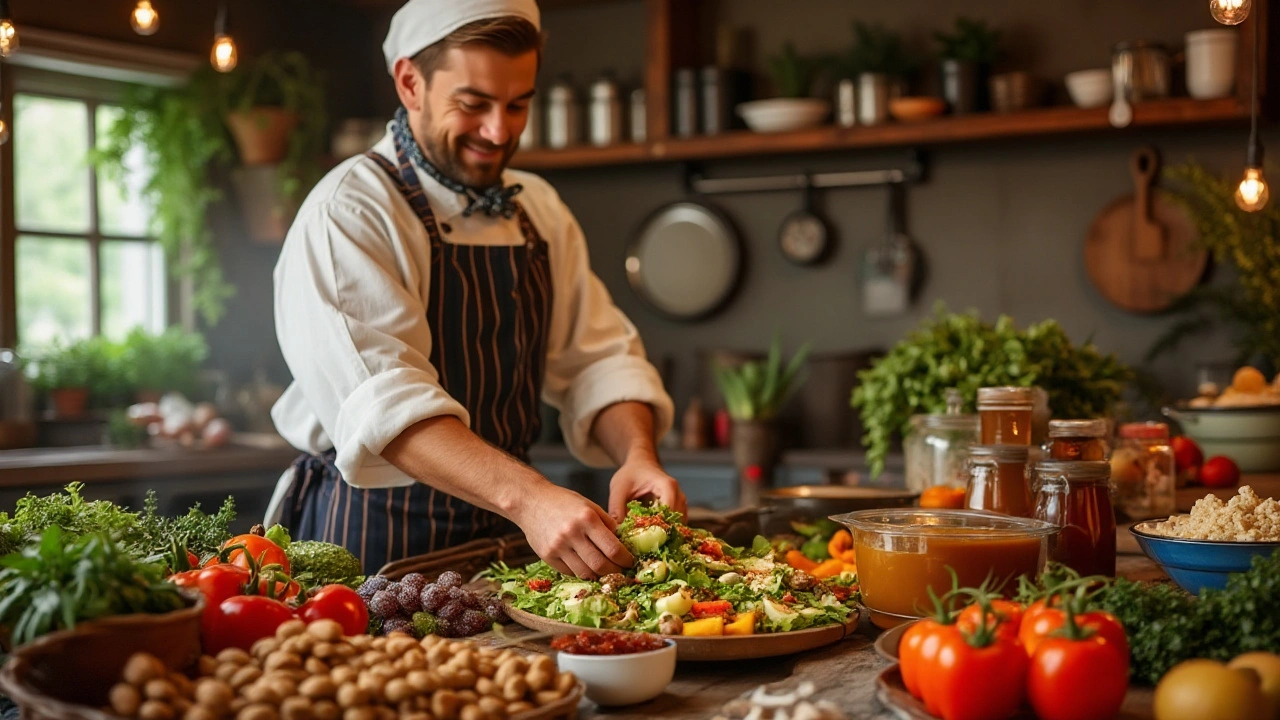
(844, 673)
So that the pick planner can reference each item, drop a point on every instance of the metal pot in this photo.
(1250, 436)
(781, 506)
(1141, 70)
(964, 86)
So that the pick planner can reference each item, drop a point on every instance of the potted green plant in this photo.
(167, 362)
(792, 109)
(754, 392)
(959, 350)
(967, 54)
(880, 62)
(64, 373)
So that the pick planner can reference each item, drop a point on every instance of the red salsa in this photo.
(607, 643)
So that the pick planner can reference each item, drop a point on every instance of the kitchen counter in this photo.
(59, 466)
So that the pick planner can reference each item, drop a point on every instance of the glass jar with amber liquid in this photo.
(998, 480)
(1076, 497)
(1004, 415)
(1077, 440)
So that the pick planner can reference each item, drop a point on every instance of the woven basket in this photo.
(468, 559)
(66, 675)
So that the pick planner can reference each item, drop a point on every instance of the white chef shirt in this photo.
(351, 289)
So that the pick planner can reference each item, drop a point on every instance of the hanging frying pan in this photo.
(686, 260)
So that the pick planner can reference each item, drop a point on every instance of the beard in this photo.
(446, 154)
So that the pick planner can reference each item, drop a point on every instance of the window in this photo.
(83, 263)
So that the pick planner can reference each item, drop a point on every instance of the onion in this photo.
(202, 414)
(217, 433)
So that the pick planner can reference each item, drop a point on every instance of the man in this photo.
(426, 297)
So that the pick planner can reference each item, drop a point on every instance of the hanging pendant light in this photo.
(8, 33)
(224, 55)
(1230, 12)
(4, 131)
(145, 19)
(1252, 194)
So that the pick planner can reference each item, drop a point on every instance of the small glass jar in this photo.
(1077, 440)
(937, 447)
(1143, 474)
(1005, 415)
(1076, 496)
(998, 480)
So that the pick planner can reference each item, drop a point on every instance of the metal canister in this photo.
(639, 116)
(1141, 69)
(686, 103)
(847, 103)
(873, 98)
(564, 115)
(605, 126)
(715, 101)
(532, 136)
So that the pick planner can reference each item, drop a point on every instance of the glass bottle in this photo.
(998, 480)
(1076, 496)
(1143, 474)
(1005, 415)
(1077, 440)
(937, 447)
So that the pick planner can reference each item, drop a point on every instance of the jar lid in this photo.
(1129, 45)
(1075, 469)
(1145, 431)
(1001, 453)
(1019, 396)
(950, 422)
(1078, 428)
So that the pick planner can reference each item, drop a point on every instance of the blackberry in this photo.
(410, 600)
(472, 622)
(445, 628)
(496, 611)
(468, 599)
(451, 611)
(397, 624)
(449, 578)
(433, 598)
(384, 604)
(373, 584)
(417, 581)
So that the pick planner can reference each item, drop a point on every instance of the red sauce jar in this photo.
(1076, 496)
(998, 480)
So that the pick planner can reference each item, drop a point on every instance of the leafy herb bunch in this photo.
(960, 350)
(756, 391)
(971, 41)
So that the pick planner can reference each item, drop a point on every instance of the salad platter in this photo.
(718, 602)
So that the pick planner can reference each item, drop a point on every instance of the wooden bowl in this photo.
(914, 109)
(67, 674)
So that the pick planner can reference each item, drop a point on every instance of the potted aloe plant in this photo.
(754, 392)
(967, 55)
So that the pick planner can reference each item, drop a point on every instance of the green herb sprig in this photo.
(756, 391)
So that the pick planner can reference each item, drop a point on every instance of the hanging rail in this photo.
(913, 172)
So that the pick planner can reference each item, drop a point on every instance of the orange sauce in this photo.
(1005, 491)
(895, 583)
(1005, 427)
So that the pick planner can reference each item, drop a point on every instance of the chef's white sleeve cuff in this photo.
(621, 378)
(381, 408)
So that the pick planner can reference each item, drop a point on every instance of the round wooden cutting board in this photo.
(1141, 252)
(737, 647)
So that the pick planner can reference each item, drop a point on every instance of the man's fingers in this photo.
(612, 548)
(560, 567)
(617, 505)
(609, 522)
(596, 560)
(577, 566)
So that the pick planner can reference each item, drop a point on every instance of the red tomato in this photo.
(926, 657)
(1078, 679)
(1038, 626)
(263, 551)
(711, 608)
(977, 683)
(241, 621)
(712, 548)
(539, 584)
(1186, 453)
(1219, 471)
(909, 653)
(340, 603)
(1007, 620)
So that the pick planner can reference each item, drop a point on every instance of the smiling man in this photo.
(427, 299)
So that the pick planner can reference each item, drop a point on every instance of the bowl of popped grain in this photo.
(1217, 538)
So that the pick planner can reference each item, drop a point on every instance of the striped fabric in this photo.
(489, 310)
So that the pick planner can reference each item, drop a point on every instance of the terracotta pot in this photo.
(69, 403)
(262, 133)
(755, 445)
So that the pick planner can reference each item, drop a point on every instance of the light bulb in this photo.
(4, 132)
(8, 38)
(1230, 12)
(224, 55)
(145, 19)
(1252, 194)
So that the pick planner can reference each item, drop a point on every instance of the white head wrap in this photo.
(422, 23)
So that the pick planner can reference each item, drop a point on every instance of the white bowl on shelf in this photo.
(614, 680)
(1090, 88)
(784, 114)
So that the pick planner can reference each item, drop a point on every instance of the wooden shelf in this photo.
(944, 130)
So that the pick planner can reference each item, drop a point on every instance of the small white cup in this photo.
(1211, 63)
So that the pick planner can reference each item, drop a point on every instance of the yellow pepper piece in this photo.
(743, 624)
(839, 543)
(800, 561)
(828, 568)
(706, 627)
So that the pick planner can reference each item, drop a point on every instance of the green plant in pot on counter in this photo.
(967, 54)
(877, 50)
(1248, 242)
(167, 362)
(960, 350)
(70, 375)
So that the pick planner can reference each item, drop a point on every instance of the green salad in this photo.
(685, 582)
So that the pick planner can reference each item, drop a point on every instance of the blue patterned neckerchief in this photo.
(494, 201)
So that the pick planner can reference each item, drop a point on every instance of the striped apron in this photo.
(489, 310)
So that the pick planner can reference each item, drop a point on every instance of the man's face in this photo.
(476, 106)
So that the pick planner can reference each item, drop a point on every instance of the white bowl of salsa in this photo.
(618, 668)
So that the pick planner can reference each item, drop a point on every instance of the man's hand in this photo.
(641, 478)
(572, 534)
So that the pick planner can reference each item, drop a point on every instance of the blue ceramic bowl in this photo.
(1197, 564)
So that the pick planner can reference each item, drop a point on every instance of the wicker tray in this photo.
(467, 559)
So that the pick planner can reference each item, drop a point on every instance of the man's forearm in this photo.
(447, 455)
(625, 431)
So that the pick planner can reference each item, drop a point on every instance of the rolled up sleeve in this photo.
(354, 332)
(595, 356)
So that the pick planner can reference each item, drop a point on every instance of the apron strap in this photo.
(308, 472)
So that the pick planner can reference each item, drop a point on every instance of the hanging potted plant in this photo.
(966, 58)
(754, 392)
(793, 75)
